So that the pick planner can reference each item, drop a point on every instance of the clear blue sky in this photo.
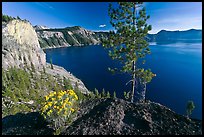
(94, 15)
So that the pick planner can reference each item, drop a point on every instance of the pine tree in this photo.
(51, 64)
(96, 93)
(114, 94)
(189, 108)
(108, 94)
(103, 94)
(127, 44)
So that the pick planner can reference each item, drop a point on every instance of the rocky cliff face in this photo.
(70, 36)
(20, 45)
(21, 48)
(78, 36)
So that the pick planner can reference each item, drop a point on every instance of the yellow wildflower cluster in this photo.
(59, 104)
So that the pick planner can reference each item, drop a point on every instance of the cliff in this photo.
(20, 46)
(78, 36)
(70, 36)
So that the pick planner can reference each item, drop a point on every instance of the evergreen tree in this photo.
(114, 94)
(51, 64)
(189, 108)
(127, 44)
(44, 70)
(18, 18)
(108, 94)
(103, 94)
(96, 93)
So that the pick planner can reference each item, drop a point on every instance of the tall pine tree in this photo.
(128, 44)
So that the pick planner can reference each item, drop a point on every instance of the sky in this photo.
(94, 15)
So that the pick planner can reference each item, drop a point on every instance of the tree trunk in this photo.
(133, 82)
(133, 62)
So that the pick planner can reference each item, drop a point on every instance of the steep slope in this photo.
(70, 36)
(26, 77)
(78, 36)
(20, 46)
(119, 117)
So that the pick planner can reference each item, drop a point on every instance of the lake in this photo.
(178, 67)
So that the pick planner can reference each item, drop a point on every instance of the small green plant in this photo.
(126, 95)
(114, 94)
(51, 64)
(96, 93)
(44, 71)
(58, 107)
(103, 94)
(189, 108)
(108, 94)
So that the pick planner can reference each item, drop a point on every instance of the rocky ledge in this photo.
(112, 117)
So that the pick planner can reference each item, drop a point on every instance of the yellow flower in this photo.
(49, 104)
(72, 109)
(46, 98)
(76, 97)
(69, 103)
(45, 107)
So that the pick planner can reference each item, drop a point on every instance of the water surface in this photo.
(178, 67)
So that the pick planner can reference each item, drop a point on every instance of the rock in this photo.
(25, 124)
(20, 45)
(21, 48)
(119, 117)
(70, 36)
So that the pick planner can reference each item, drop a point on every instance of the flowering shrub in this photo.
(58, 107)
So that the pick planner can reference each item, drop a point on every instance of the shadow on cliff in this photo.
(25, 124)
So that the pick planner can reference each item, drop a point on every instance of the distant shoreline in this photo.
(67, 46)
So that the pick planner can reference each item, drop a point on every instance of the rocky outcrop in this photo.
(60, 71)
(70, 36)
(38, 27)
(21, 48)
(109, 117)
(119, 117)
(78, 36)
(20, 45)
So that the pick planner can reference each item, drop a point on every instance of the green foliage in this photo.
(108, 94)
(44, 70)
(103, 93)
(114, 94)
(7, 18)
(128, 44)
(96, 93)
(58, 107)
(67, 84)
(18, 18)
(126, 95)
(51, 64)
(21, 86)
(190, 107)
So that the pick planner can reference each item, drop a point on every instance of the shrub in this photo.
(58, 108)
(126, 95)
(103, 94)
(108, 94)
(114, 94)
(189, 108)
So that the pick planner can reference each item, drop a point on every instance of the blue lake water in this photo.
(178, 67)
